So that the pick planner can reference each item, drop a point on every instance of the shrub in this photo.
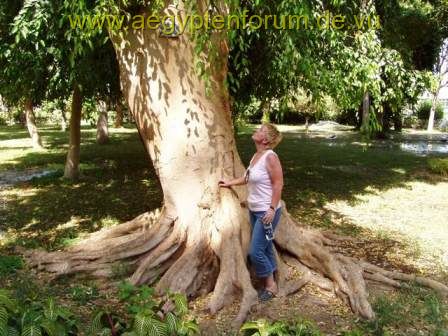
(9, 264)
(424, 109)
(149, 316)
(33, 317)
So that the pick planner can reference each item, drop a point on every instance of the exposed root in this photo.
(154, 258)
(213, 258)
(312, 252)
(289, 278)
(394, 275)
(234, 274)
(97, 254)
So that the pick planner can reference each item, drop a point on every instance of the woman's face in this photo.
(260, 135)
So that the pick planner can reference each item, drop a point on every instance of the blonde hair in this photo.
(273, 135)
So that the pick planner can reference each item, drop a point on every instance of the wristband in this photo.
(272, 207)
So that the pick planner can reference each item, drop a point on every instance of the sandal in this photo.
(265, 295)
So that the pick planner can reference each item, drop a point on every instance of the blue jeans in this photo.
(261, 252)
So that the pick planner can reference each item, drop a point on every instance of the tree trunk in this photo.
(72, 163)
(31, 125)
(198, 242)
(266, 109)
(365, 113)
(119, 113)
(102, 129)
(63, 116)
(432, 113)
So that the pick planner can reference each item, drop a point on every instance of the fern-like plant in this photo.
(34, 318)
(149, 316)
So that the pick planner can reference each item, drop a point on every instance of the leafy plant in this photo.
(264, 328)
(425, 107)
(34, 318)
(149, 315)
(9, 264)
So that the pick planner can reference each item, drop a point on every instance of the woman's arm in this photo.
(275, 171)
(235, 182)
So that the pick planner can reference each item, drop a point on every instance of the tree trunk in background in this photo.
(31, 125)
(63, 116)
(307, 123)
(432, 113)
(102, 129)
(119, 113)
(72, 163)
(266, 109)
(365, 113)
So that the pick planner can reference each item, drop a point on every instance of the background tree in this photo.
(60, 61)
(24, 60)
(441, 73)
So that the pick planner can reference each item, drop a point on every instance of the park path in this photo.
(9, 178)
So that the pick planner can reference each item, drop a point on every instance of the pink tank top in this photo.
(259, 184)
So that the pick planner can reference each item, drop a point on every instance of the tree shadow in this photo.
(117, 183)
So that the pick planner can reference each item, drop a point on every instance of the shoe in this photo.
(265, 295)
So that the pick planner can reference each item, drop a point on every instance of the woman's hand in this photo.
(268, 216)
(224, 184)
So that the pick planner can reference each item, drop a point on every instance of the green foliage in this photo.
(9, 264)
(50, 111)
(264, 328)
(149, 315)
(424, 109)
(30, 318)
(438, 166)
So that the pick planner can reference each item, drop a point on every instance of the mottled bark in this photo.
(432, 112)
(365, 112)
(31, 124)
(72, 162)
(102, 128)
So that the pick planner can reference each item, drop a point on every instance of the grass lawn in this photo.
(388, 198)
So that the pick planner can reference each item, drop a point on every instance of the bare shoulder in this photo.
(272, 159)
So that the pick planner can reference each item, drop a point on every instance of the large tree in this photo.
(198, 241)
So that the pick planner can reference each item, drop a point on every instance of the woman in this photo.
(264, 178)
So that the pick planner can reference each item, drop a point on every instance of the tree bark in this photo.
(432, 113)
(72, 162)
(63, 116)
(102, 129)
(198, 242)
(365, 113)
(31, 125)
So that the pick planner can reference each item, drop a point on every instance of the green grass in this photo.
(439, 166)
(410, 311)
(117, 183)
